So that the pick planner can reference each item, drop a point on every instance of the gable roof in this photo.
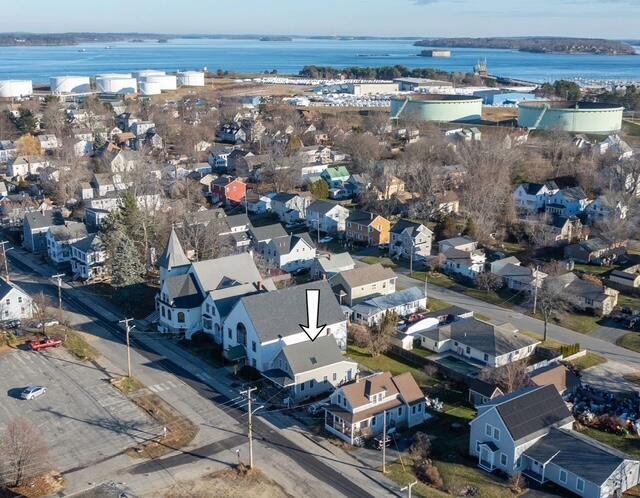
(323, 207)
(307, 355)
(91, 243)
(173, 255)
(378, 304)
(365, 275)
(183, 290)
(558, 375)
(226, 272)
(578, 454)
(290, 305)
(68, 231)
(46, 219)
(412, 226)
(529, 411)
(284, 245)
(268, 232)
(357, 393)
(6, 287)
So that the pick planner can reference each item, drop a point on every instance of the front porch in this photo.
(343, 429)
(487, 456)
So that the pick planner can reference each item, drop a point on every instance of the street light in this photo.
(58, 277)
(409, 487)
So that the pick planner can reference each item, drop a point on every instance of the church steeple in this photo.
(173, 260)
(173, 255)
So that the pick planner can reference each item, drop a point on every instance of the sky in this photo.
(420, 18)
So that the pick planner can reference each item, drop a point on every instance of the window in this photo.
(339, 399)
(580, 484)
(477, 446)
(253, 346)
(163, 311)
(413, 410)
(488, 430)
(335, 376)
(373, 421)
(230, 333)
(169, 314)
(180, 317)
(399, 411)
(503, 459)
(20, 299)
(8, 302)
(325, 379)
(496, 434)
(241, 334)
(468, 350)
(563, 476)
(302, 386)
(486, 357)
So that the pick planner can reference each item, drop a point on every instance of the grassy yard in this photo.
(629, 301)
(139, 300)
(420, 351)
(206, 351)
(503, 297)
(436, 304)
(594, 269)
(630, 341)
(384, 363)
(579, 322)
(626, 444)
(589, 360)
(549, 343)
(483, 317)
(77, 345)
(386, 262)
(435, 278)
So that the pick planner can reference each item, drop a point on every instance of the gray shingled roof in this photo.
(578, 454)
(365, 275)
(91, 243)
(322, 207)
(492, 339)
(529, 411)
(279, 313)
(38, 219)
(308, 355)
(184, 291)
(69, 231)
(173, 255)
(284, 245)
(226, 272)
(268, 232)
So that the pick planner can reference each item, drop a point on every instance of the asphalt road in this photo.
(525, 322)
(263, 432)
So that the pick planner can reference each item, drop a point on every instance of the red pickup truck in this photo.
(48, 342)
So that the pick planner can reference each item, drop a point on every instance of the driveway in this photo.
(82, 417)
(609, 377)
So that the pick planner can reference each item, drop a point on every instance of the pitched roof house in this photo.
(361, 283)
(367, 228)
(359, 410)
(530, 432)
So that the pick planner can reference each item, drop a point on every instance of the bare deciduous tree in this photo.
(509, 377)
(551, 300)
(24, 453)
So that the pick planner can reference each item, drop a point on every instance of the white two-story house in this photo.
(291, 252)
(259, 326)
(360, 409)
(327, 216)
(60, 239)
(15, 303)
(89, 257)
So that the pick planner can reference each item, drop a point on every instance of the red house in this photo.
(228, 190)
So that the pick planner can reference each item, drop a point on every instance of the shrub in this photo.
(569, 349)
(427, 472)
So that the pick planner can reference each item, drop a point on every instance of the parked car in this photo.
(33, 392)
(47, 323)
(300, 272)
(46, 343)
(294, 225)
(12, 324)
(325, 240)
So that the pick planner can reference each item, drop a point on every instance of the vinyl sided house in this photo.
(290, 207)
(60, 239)
(328, 216)
(329, 265)
(15, 303)
(259, 326)
(479, 342)
(356, 285)
(359, 410)
(291, 252)
(403, 303)
(89, 257)
(530, 432)
(368, 228)
(35, 226)
(409, 238)
(308, 369)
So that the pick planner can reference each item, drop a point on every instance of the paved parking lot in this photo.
(83, 418)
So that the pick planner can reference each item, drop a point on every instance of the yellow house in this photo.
(368, 228)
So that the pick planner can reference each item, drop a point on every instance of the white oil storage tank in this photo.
(113, 75)
(69, 84)
(15, 88)
(117, 85)
(150, 88)
(191, 78)
(167, 82)
(148, 72)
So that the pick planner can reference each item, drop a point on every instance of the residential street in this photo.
(202, 393)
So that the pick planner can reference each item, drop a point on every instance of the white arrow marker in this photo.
(312, 329)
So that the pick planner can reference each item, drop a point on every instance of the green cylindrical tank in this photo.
(440, 108)
(572, 117)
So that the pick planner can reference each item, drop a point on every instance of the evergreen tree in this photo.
(126, 267)
(319, 189)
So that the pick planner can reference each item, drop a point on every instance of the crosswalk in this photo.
(161, 387)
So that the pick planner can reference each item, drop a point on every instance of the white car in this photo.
(33, 392)
(325, 240)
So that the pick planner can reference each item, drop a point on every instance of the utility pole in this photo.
(58, 277)
(4, 255)
(411, 259)
(535, 289)
(129, 329)
(384, 441)
(248, 394)
(409, 487)
(426, 284)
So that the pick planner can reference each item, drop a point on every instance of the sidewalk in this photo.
(209, 415)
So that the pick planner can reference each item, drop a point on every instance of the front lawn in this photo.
(627, 444)
(579, 322)
(435, 278)
(384, 363)
(420, 351)
(630, 341)
(593, 269)
(137, 300)
(589, 360)
(373, 260)
(502, 297)
(629, 301)
(437, 304)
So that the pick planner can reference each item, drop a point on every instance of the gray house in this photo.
(408, 237)
(530, 432)
(308, 369)
(35, 226)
